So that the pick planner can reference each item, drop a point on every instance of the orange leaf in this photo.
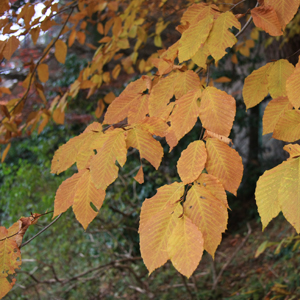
(155, 234)
(208, 213)
(194, 37)
(139, 109)
(273, 112)
(43, 72)
(256, 86)
(288, 126)
(119, 108)
(103, 168)
(185, 81)
(139, 177)
(192, 161)
(224, 163)
(279, 72)
(185, 113)
(285, 9)
(266, 18)
(72, 37)
(217, 111)
(185, 246)
(293, 86)
(149, 148)
(11, 46)
(212, 183)
(60, 51)
(5, 152)
(293, 150)
(34, 32)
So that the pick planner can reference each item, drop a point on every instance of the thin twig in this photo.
(45, 228)
(232, 257)
(246, 25)
(38, 63)
(236, 4)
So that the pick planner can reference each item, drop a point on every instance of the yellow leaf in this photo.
(119, 108)
(201, 56)
(185, 246)
(66, 155)
(103, 168)
(285, 9)
(43, 72)
(99, 109)
(277, 189)
(192, 161)
(185, 81)
(293, 150)
(288, 126)
(208, 213)
(116, 71)
(222, 79)
(217, 111)
(224, 163)
(273, 112)
(139, 177)
(155, 234)
(58, 116)
(155, 126)
(11, 46)
(85, 194)
(149, 148)
(34, 32)
(266, 18)
(212, 183)
(293, 86)
(220, 38)
(60, 51)
(256, 86)
(279, 72)
(185, 115)
(72, 37)
(166, 195)
(109, 98)
(161, 95)
(139, 109)
(193, 38)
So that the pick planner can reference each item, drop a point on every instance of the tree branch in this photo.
(44, 229)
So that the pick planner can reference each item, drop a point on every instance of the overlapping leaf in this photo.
(71, 152)
(285, 9)
(185, 246)
(293, 86)
(224, 163)
(208, 213)
(119, 108)
(217, 111)
(266, 18)
(256, 86)
(288, 126)
(154, 236)
(220, 38)
(149, 148)
(185, 81)
(278, 190)
(185, 114)
(103, 165)
(192, 161)
(194, 37)
(79, 191)
(274, 110)
(279, 72)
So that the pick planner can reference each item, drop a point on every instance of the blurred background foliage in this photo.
(103, 262)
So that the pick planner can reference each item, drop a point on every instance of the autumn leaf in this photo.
(293, 86)
(11, 46)
(224, 163)
(285, 9)
(185, 246)
(60, 51)
(208, 213)
(185, 82)
(149, 148)
(139, 177)
(194, 37)
(220, 38)
(192, 161)
(256, 86)
(274, 110)
(278, 74)
(43, 72)
(266, 18)
(217, 111)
